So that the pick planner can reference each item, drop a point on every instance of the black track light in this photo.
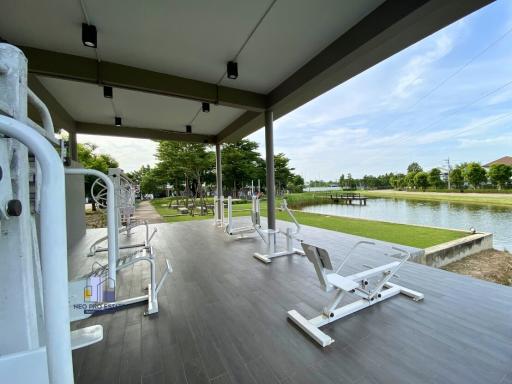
(108, 92)
(189, 129)
(89, 36)
(117, 121)
(206, 107)
(232, 70)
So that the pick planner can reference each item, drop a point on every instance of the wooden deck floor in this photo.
(223, 320)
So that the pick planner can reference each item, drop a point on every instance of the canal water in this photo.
(484, 218)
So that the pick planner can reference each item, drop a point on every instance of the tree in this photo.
(153, 182)
(397, 181)
(351, 183)
(92, 160)
(500, 174)
(457, 178)
(434, 178)
(187, 162)
(341, 181)
(474, 174)
(241, 163)
(421, 180)
(409, 180)
(296, 184)
(414, 168)
(282, 171)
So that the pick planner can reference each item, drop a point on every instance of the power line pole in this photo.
(449, 168)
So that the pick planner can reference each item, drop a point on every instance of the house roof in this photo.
(506, 160)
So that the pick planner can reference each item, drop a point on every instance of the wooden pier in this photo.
(349, 198)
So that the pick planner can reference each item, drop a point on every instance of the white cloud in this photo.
(414, 71)
(130, 153)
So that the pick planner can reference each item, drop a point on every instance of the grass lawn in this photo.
(466, 197)
(411, 235)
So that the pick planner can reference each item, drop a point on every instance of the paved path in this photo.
(145, 211)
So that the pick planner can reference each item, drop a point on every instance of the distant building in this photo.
(507, 160)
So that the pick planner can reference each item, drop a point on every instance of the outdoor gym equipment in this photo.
(269, 236)
(124, 202)
(372, 286)
(218, 211)
(255, 219)
(35, 335)
(125, 192)
(100, 273)
(104, 276)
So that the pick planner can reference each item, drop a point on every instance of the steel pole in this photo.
(218, 168)
(269, 151)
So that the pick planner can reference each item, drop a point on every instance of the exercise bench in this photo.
(371, 286)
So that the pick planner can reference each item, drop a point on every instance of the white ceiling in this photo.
(85, 103)
(189, 38)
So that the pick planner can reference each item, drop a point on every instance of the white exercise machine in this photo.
(124, 197)
(81, 307)
(104, 276)
(36, 340)
(269, 236)
(371, 286)
(245, 229)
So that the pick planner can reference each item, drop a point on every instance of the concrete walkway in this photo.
(145, 211)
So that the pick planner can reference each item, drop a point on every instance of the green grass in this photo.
(466, 198)
(411, 235)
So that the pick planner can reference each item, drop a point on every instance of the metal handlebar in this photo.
(349, 253)
(284, 206)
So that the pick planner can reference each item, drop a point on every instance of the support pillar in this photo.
(73, 146)
(269, 151)
(218, 168)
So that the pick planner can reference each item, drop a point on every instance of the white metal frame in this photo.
(269, 236)
(124, 207)
(115, 263)
(146, 254)
(218, 202)
(255, 219)
(360, 284)
(55, 350)
(113, 247)
(95, 248)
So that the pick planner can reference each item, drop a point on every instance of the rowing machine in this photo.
(372, 286)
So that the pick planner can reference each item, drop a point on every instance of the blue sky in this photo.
(449, 95)
(392, 114)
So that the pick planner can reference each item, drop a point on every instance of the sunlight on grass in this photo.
(411, 235)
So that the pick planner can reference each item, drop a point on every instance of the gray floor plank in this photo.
(223, 320)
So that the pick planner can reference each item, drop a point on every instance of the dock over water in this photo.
(348, 198)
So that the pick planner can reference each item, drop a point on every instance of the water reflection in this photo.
(487, 218)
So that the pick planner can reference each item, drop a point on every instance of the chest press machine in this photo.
(372, 286)
(269, 236)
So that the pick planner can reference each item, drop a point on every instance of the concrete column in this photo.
(73, 147)
(218, 167)
(269, 151)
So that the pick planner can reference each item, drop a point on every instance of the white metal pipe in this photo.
(53, 249)
(230, 212)
(112, 233)
(218, 170)
(43, 111)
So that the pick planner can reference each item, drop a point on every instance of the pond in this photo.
(484, 218)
